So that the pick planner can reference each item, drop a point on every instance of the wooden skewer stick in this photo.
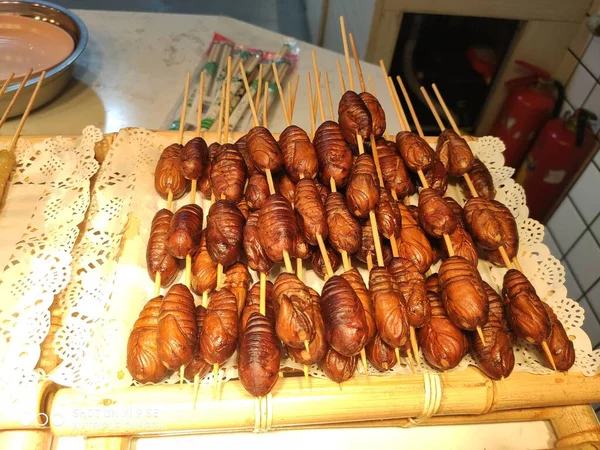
(329, 101)
(318, 86)
(310, 106)
(466, 176)
(6, 83)
(253, 108)
(341, 77)
(13, 142)
(194, 186)
(294, 92)
(228, 99)
(258, 89)
(265, 105)
(346, 53)
(433, 109)
(16, 95)
(424, 181)
(288, 121)
(186, 93)
(361, 80)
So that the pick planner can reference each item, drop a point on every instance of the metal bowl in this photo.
(58, 76)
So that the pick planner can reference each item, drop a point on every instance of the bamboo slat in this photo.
(168, 408)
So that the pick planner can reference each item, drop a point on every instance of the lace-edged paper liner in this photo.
(39, 266)
(111, 284)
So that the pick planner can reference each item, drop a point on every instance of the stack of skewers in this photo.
(341, 190)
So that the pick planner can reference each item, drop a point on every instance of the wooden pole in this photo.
(16, 96)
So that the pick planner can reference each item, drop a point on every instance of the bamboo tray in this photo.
(453, 398)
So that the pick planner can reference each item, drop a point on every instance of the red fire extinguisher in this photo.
(557, 154)
(531, 101)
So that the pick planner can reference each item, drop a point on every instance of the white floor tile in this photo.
(584, 260)
(591, 57)
(566, 225)
(593, 296)
(590, 324)
(551, 243)
(596, 228)
(593, 104)
(580, 85)
(597, 157)
(585, 193)
(573, 289)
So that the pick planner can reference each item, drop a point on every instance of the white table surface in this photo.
(131, 74)
(133, 70)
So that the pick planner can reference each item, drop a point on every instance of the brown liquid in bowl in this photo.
(27, 43)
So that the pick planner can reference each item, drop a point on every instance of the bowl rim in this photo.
(77, 51)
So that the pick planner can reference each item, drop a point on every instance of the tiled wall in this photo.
(573, 232)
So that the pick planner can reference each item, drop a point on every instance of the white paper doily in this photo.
(106, 295)
(47, 200)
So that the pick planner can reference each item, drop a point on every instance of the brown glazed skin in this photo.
(318, 263)
(198, 366)
(293, 311)
(415, 151)
(362, 192)
(463, 245)
(457, 209)
(482, 181)
(168, 175)
(158, 258)
(192, 158)
(454, 152)
(410, 282)
(259, 356)
(302, 249)
(436, 217)
(413, 243)
(496, 359)
(228, 173)
(310, 211)
(444, 344)
(367, 247)
(511, 236)
(244, 208)
(204, 183)
(344, 228)
(253, 304)
(219, 338)
(299, 155)
(388, 217)
(184, 232)
(324, 191)
(177, 337)
(255, 254)
(257, 191)
(277, 228)
(346, 326)
(286, 187)
(143, 361)
(390, 311)
(240, 144)
(337, 367)
(354, 278)
(318, 346)
(204, 269)
(263, 149)
(381, 355)
(525, 312)
(437, 177)
(463, 294)
(224, 226)
(394, 172)
(237, 280)
(376, 111)
(484, 221)
(354, 117)
(333, 153)
(561, 347)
